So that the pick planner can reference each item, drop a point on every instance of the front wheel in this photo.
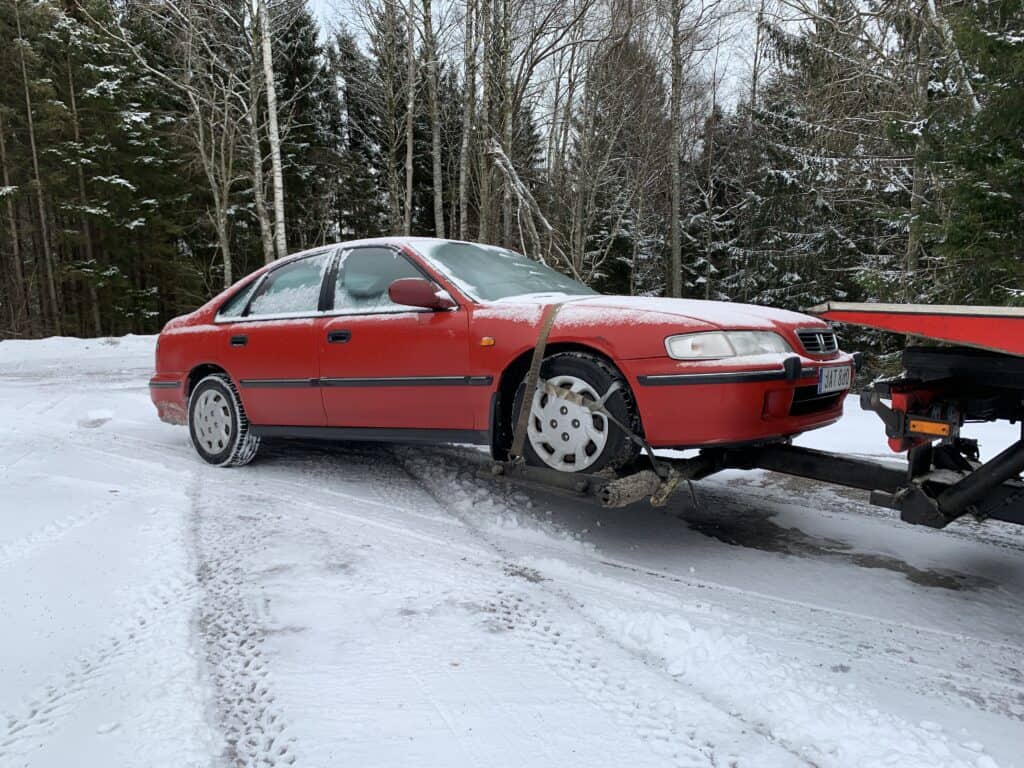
(217, 423)
(565, 435)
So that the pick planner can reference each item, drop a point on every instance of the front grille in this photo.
(806, 400)
(818, 341)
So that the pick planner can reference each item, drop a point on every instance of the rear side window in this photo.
(292, 289)
(234, 306)
(364, 275)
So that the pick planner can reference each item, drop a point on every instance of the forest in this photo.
(779, 152)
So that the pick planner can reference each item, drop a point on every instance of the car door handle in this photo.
(338, 337)
(239, 341)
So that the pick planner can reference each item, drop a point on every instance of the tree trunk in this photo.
(483, 117)
(44, 232)
(433, 74)
(469, 100)
(90, 255)
(18, 300)
(274, 136)
(917, 187)
(262, 214)
(675, 282)
(410, 106)
(258, 192)
(220, 221)
(507, 108)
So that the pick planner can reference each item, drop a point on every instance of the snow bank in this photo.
(14, 353)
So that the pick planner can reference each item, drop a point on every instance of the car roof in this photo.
(393, 240)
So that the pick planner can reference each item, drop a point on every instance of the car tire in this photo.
(217, 423)
(556, 425)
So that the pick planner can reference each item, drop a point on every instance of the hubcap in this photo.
(567, 436)
(212, 421)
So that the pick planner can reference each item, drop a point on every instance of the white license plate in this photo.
(834, 379)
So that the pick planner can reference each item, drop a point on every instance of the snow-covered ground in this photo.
(378, 606)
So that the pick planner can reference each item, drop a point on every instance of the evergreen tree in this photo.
(981, 224)
(311, 147)
(360, 203)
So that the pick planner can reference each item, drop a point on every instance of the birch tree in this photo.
(469, 54)
(430, 55)
(273, 132)
(410, 111)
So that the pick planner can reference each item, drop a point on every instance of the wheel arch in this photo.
(508, 382)
(198, 373)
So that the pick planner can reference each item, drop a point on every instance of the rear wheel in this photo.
(217, 423)
(566, 435)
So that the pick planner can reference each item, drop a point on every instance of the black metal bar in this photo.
(992, 491)
(1008, 465)
(826, 467)
(871, 400)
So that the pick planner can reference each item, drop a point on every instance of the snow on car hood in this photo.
(721, 314)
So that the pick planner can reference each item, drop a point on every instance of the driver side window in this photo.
(364, 275)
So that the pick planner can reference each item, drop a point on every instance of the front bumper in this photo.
(687, 405)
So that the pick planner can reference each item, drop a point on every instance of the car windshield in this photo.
(491, 274)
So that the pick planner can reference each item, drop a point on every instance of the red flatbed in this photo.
(1000, 329)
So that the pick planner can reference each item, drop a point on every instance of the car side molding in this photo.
(386, 381)
(375, 434)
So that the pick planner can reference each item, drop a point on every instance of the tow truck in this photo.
(971, 371)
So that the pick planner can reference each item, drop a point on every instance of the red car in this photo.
(423, 340)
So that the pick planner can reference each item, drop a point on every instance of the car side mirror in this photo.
(417, 292)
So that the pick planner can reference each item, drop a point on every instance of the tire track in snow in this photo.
(1003, 692)
(573, 646)
(26, 727)
(845, 630)
(802, 748)
(232, 637)
(50, 534)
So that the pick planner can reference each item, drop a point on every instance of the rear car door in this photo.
(384, 365)
(272, 354)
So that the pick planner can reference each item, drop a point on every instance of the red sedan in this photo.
(422, 340)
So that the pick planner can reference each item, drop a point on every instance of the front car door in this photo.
(272, 355)
(388, 366)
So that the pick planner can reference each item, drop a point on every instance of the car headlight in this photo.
(714, 345)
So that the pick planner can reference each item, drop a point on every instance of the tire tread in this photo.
(246, 444)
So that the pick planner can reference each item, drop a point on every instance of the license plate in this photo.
(834, 379)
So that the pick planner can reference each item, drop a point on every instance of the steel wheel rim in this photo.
(212, 421)
(566, 436)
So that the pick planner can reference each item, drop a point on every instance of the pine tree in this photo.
(980, 224)
(361, 201)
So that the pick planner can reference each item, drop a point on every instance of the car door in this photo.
(272, 344)
(384, 365)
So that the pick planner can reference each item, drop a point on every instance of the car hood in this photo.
(720, 314)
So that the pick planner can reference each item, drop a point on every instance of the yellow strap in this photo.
(532, 378)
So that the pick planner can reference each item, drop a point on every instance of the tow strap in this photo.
(668, 478)
(532, 379)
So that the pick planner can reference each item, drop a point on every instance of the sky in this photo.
(327, 11)
(733, 58)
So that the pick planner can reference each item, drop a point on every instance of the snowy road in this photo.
(381, 606)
